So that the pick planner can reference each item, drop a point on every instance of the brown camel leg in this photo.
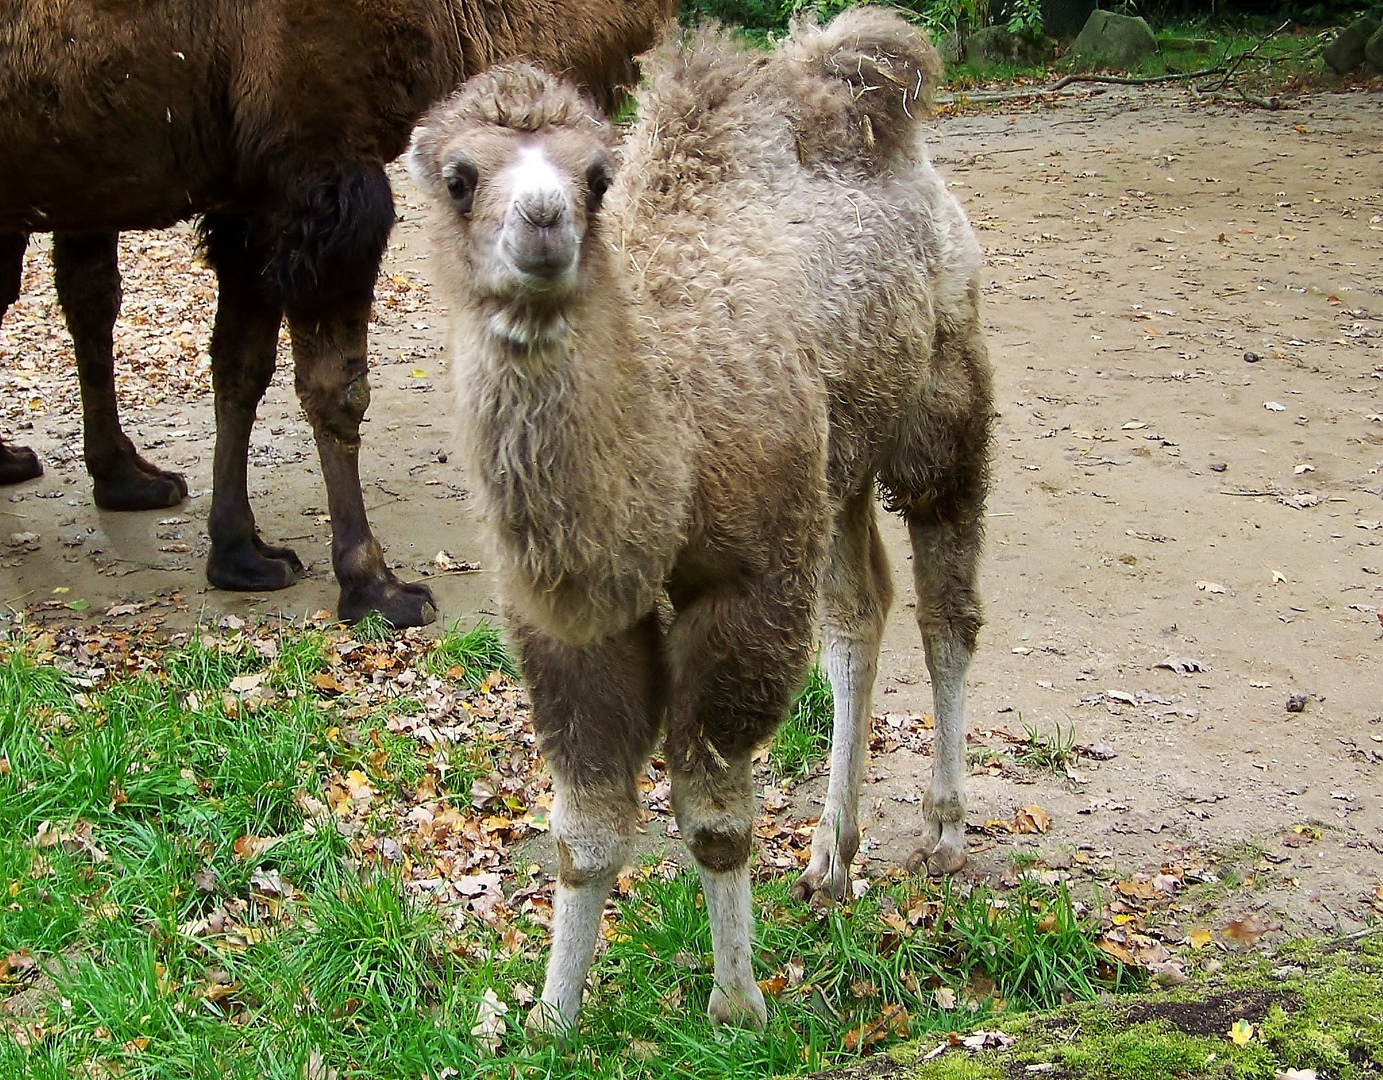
(855, 596)
(244, 343)
(597, 713)
(331, 376)
(734, 660)
(87, 276)
(17, 463)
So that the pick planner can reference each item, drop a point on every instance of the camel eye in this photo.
(597, 183)
(461, 177)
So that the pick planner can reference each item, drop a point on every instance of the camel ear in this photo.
(419, 168)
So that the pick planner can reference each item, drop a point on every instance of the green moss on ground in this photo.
(1312, 1005)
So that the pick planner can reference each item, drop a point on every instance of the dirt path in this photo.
(1155, 495)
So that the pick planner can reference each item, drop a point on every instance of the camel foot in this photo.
(546, 1024)
(401, 604)
(251, 567)
(822, 884)
(282, 554)
(744, 1008)
(135, 484)
(17, 464)
(942, 855)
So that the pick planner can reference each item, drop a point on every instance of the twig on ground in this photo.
(1239, 60)
(1136, 80)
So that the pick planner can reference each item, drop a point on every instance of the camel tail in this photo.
(878, 70)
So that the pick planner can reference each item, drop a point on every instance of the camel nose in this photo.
(542, 209)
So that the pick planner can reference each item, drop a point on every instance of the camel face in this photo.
(522, 206)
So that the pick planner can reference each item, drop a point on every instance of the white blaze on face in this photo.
(533, 182)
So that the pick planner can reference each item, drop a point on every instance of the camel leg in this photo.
(17, 463)
(87, 276)
(715, 813)
(597, 715)
(946, 555)
(855, 594)
(735, 659)
(244, 345)
(332, 379)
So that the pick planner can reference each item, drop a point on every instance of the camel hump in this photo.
(877, 72)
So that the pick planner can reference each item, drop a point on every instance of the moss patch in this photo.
(1313, 1005)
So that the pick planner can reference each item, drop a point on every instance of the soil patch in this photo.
(1217, 1013)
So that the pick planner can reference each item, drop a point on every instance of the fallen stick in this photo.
(1136, 80)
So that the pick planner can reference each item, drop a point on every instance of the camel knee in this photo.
(715, 813)
(719, 850)
(594, 833)
(335, 404)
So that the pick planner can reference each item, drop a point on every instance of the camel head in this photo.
(517, 164)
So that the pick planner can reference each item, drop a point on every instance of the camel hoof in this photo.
(938, 861)
(17, 464)
(249, 568)
(137, 485)
(546, 1024)
(401, 604)
(743, 1009)
(282, 554)
(821, 886)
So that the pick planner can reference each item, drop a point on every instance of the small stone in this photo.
(1114, 41)
(1296, 703)
(1251, 358)
(1218, 466)
(442, 457)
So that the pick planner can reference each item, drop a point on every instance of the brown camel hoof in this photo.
(402, 605)
(137, 485)
(17, 464)
(252, 567)
(821, 888)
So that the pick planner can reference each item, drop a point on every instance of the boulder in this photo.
(997, 45)
(1347, 51)
(1114, 41)
(1373, 51)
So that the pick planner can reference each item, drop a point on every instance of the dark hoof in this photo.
(137, 485)
(403, 605)
(283, 554)
(252, 567)
(17, 464)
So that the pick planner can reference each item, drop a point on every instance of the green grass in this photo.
(472, 654)
(804, 738)
(123, 812)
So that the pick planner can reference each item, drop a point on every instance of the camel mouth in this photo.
(539, 261)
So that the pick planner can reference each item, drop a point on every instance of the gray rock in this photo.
(1373, 51)
(1114, 41)
(1347, 51)
(996, 45)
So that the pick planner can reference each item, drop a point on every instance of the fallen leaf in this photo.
(489, 1028)
(243, 684)
(1241, 1032)
(1200, 937)
(1183, 665)
(1210, 586)
(1031, 819)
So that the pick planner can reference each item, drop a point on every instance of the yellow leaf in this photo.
(1241, 1033)
(1200, 937)
(419, 373)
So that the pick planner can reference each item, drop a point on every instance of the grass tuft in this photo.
(471, 655)
(804, 738)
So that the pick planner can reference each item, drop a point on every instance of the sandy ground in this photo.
(1157, 498)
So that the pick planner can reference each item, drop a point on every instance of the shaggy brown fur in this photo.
(690, 389)
(273, 119)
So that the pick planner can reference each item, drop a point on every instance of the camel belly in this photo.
(107, 115)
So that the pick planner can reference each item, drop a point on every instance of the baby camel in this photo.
(681, 381)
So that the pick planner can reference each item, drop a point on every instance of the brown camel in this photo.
(270, 120)
(684, 379)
